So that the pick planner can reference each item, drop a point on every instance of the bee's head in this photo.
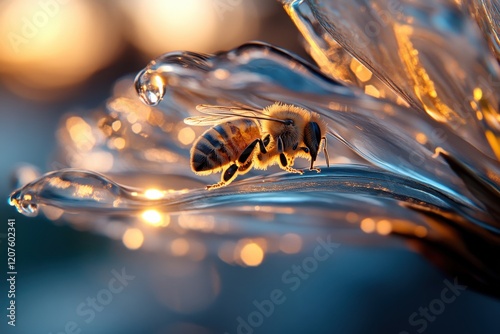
(312, 140)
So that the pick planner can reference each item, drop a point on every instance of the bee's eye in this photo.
(289, 122)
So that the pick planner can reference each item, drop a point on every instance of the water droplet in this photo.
(23, 203)
(150, 86)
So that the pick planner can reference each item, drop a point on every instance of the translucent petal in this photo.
(430, 53)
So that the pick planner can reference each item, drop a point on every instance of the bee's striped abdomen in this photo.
(223, 144)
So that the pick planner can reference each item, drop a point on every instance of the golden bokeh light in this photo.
(352, 217)
(81, 133)
(421, 138)
(420, 231)
(372, 90)
(368, 225)
(53, 43)
(119, 143)
(197, 222)
(133, 238)
(186, 136)
(291, 243)
(132, 117)
(180, 247)
(99, 161)
(153, 193)
(155, 218)
(478, 93)
(137, 128)
(361, 72)
(189, 24)
(384, 227)
(116, 125)
(252, 254)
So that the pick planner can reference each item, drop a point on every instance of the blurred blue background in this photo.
(59, 56)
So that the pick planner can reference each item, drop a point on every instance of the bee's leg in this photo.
(266, 140)
(263, 145)
(245, 168)
(316, 169)
(323, 139)
(326, 152)
(288, 166)
(227, 177)
(280, 145)
(248, 151)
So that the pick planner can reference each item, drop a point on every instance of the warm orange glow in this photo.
(494, 142)
(479, 115)
(53, 44)
(132, 117)
(99, 161)
(421, 138)
(478, 93)
(189, 24)
(424, 86)
(251, 254)
(137, 128)
(384, 227)
(420, 231)
(361, 72)
(83, 190)
(372, 90)
(155, 218)
(179, 247)
(221, 73)
(81, 133)
(116, 125)
(133, 238)
(291, 243)
(119, 143)
(59, 183)
(194, 222)
(352, 217)
(186, 135)
(153, 194)
(368, 225)
(474, 105)
(402, 102)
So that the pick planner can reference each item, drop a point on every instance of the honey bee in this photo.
(282, 133)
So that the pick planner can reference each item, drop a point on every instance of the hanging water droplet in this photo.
(150, 87)
(23, 202)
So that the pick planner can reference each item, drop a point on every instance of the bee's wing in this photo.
(207, 120)
(218, 114)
